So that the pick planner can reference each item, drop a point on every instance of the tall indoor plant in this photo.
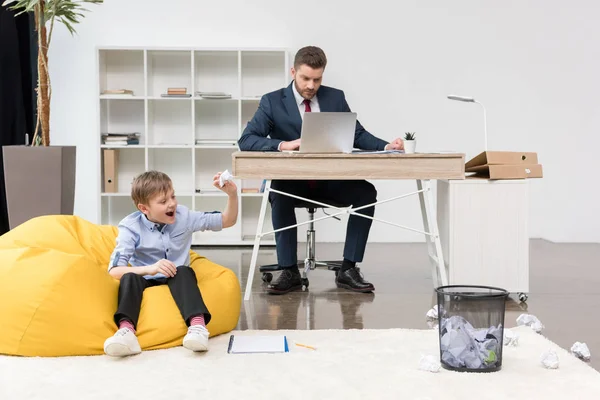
(42, 171)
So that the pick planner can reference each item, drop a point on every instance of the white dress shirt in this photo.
(314, 102)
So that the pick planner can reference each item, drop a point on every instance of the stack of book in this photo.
(121, 139)
(218, 142)
(213, 95)
(176, 92)
(118, 91)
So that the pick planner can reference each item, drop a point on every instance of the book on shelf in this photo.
(175, 95)
(121, 139)
(118, 91)
(213, 95)
(176, 90)
(232, 142)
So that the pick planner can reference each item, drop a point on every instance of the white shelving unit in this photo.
(170, 128)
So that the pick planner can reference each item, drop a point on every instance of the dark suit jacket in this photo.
(278, 120)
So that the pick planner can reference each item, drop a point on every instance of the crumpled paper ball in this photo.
(530, 320)
(429, 363)
(225, 176)
(549, 359)
(511, 338)
(580, 350)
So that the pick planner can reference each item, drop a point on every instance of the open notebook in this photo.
(257, 344)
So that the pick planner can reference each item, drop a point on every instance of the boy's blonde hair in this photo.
(149, 184)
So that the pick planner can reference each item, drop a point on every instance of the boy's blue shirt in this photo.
(141, 242)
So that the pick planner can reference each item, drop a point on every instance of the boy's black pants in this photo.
(184, 289)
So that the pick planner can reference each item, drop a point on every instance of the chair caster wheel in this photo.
(304, 283)
(267, 277)
(523, 297)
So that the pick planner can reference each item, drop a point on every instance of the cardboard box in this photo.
(505, 165)
(111, 168)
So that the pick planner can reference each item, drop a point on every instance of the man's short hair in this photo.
(149, 184)
(312, 56)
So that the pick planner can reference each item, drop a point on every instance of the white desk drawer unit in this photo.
(484, 232)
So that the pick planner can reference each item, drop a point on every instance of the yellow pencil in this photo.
(305, 345)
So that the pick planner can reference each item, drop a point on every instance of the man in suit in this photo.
(276, 126)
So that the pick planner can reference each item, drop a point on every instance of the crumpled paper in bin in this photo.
(464, 346)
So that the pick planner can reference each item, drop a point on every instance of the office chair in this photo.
(310, 262)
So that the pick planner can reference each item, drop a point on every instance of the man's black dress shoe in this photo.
(289, 280)
(352, 279)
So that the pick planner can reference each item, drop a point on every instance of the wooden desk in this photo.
(291, 165)
(285, 165)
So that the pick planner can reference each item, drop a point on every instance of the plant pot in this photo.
(39, 181)
(409, 146)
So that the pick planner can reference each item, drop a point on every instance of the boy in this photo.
(156, 241)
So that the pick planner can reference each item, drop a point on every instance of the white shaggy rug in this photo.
(351, 364)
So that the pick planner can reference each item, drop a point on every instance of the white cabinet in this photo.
(484, 232)
(189, 138)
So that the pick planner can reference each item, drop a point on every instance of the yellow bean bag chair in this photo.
(57, 298)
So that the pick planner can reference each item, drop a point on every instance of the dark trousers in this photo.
(345, 193)
(184, 289)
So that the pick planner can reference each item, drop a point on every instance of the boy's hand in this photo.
(165, 267)
(229, 187)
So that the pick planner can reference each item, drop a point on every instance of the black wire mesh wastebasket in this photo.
(471, 327)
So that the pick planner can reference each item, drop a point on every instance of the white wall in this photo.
(533, 64)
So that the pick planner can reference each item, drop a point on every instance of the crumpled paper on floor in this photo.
(530, 320)
(433, 313)
(225, 176)
(511, 338)
(580, 350)
(549, 359)
(429, 363)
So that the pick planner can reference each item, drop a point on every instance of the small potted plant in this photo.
(410, 143)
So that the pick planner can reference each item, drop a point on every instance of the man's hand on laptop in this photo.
(397, 144)
(293, 145)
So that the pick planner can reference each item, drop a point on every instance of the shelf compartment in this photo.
(115, 208)
(262, 72)
(130, 163)
(216, 71)
(122, 69)
(122, 116)
(250, 212)
(208, 163)
(170, 122)
(169, 69)
(176, 163)
(216, 119)
(249, 108)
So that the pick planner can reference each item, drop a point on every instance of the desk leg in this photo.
(259, 232)
(434, 245)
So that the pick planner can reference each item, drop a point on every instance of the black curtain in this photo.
(18, 80)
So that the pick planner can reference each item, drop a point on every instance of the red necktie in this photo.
(306, 105)
(311, 184)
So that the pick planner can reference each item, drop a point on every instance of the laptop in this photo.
(328, 132)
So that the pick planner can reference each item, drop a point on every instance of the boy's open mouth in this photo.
(170, 213)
